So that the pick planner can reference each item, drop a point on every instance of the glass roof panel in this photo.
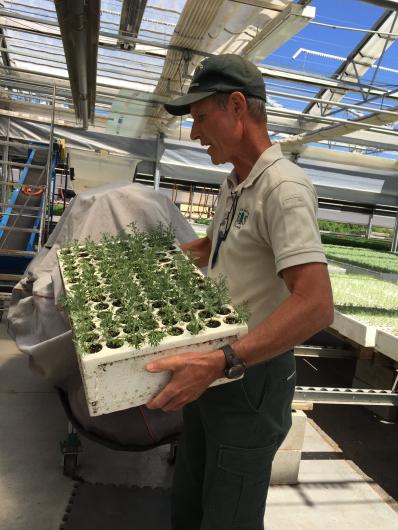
(43, 9)
(30, 51)
(129, 68)
(319, 50)
(315, 51)
(110, 15)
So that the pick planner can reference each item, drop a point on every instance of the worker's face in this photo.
(217, 128)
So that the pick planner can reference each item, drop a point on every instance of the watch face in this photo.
(235, 371)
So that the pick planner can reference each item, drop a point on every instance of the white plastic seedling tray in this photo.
(115, 378)
(353, 329)
(387, 343)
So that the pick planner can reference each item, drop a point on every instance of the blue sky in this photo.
(352, 13)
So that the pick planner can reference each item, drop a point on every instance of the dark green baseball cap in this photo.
(220, 74)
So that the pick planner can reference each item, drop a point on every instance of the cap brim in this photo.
(182, 105)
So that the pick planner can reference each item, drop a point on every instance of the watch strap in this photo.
(233, 363)
(230, 356)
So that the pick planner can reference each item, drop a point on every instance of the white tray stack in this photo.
(114, 347)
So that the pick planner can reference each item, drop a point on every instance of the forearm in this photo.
(199, 249)
(291, 323)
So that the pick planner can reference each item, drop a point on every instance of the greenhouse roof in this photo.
(331, 82)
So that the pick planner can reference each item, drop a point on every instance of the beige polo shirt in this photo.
(274, 226)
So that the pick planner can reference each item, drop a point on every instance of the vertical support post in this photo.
(394, 245)
(190, 206)
(66, 171)
(156, 179)
(369, 228)
(156, 176)
(5, 169)
(45, 220)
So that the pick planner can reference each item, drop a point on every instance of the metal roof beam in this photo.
(79, 24)
(4, 51)
(292, 76)
(386, 4)
(332, 131)
(267, 71)
(278, 30)
(32, 81)
(130, 20)
(358, 62)
(346, 106)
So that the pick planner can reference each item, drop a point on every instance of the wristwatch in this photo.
(234, 367)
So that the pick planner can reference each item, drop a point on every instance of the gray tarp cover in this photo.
(42, 330)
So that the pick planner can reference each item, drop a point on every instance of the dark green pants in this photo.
(230, 437)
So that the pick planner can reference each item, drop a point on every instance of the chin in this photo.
(216, 161)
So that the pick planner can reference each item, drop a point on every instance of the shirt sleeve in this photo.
(290, 214)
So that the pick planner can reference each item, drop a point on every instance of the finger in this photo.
(161, 400)
(174, 405)
(179, 401)
(160, 365)
(171, 362)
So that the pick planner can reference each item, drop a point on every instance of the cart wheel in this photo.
(70, 465)
(171, 458)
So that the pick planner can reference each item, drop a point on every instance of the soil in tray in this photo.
(94, 347)
(205, 314)
(212, 323)
(231, 320)
(175, 330)
(115, 343)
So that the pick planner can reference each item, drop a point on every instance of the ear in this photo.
(238, 103)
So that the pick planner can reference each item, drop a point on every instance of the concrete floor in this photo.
(332, 494)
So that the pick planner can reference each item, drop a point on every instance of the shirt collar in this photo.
(266, 159)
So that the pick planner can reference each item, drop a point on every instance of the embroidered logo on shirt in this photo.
(241, 218)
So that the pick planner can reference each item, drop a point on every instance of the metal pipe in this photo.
(49, 59)
(73, 24)
(80, 56)
(28, 145)
(45, 229)
(9, 252)
(369, 227)
(5, 166)
(18, 164)
(21, 185)
(156, 176)
(330, 103)
(359, 30)
(394, 244)
(348, 396)
(20, 207)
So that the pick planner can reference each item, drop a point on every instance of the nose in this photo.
(194, 131)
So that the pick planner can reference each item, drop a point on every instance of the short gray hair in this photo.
(256, 106)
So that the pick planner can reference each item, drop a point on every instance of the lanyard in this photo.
(225, 227)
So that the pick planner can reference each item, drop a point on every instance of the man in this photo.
(264, 239)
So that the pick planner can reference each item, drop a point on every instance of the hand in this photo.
(193, 373)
